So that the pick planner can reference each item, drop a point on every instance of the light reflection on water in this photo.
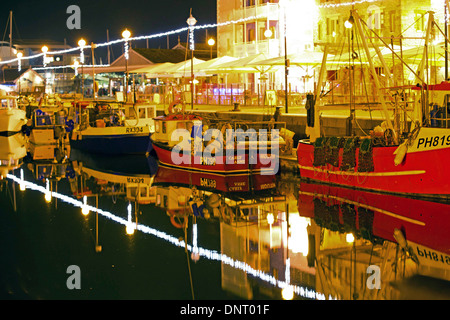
(202, 252)
(332, 235)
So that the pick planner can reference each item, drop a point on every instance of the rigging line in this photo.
(187, 257)
(365, 89)
(17, 29)
(6, 28)
(421, 17)
(387, 46)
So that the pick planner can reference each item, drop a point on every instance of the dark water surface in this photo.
(40, 240)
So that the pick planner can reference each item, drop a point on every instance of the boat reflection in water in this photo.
(405, 239)
(262, 236)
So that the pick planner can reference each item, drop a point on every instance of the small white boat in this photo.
(12, 151)
(11, 117)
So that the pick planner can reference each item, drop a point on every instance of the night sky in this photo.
(46, 19)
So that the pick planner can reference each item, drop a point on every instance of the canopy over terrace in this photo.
(135, 61)
(243, 65)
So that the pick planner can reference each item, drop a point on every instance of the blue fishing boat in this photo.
(113, 128)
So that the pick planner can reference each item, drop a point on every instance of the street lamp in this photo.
(191, 21)
(19, 62)
(211, 43)
(19, 65)
(126, 35)
(44, 49)
(81, 44)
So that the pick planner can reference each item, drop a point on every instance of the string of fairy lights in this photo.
(124, 40)
(194, 248)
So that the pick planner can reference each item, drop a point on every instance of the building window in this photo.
(419, 18)
(251, 34)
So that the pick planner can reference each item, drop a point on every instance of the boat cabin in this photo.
(141, 193)
(165, 126)
(7, 102)
(139, 112)
(439, 102)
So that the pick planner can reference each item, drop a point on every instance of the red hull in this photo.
(216, 182)
(423, 222)
(221, 164)
(423, 173)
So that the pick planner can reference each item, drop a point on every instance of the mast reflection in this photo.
(353, 230)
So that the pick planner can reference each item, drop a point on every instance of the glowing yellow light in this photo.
(349, 23)
(126, 34)
(48, 196)
(211, 42)
(299, 240)
(130, 228)
(270, 218)
(82, 42)
(268, 33)
(44, 49)
(349, 238)
(22, 187)
(19, 54)
(287, 293)
(85, 211)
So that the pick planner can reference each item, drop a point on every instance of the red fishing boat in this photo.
(406, 156)
(191, 142)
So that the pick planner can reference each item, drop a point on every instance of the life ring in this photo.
(175, 223)
(173, 104)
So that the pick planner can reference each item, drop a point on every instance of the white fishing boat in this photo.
(114, 128)
(11, 117)
(12, 151)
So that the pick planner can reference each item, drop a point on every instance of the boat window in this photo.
(133, 191)
(142, 113)
(164, 127)
(4, 103)
(130, 113)
(157, 125)
(143, 192)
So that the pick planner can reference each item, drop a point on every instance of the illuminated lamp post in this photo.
(81, 44)
(19, 65)
(283, 3)
(19, 61)
(44, 49)
(126, 35)
(211, 43)
(191, 21)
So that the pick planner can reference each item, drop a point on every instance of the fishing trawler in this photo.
(106, 127)
(12, 119)
(189, 141)
(407, 157)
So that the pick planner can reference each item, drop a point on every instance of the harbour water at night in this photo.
(139, 231)
(239, 158)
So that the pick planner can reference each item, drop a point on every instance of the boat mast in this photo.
(446, 42)
(10, 34)
(375, 76)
